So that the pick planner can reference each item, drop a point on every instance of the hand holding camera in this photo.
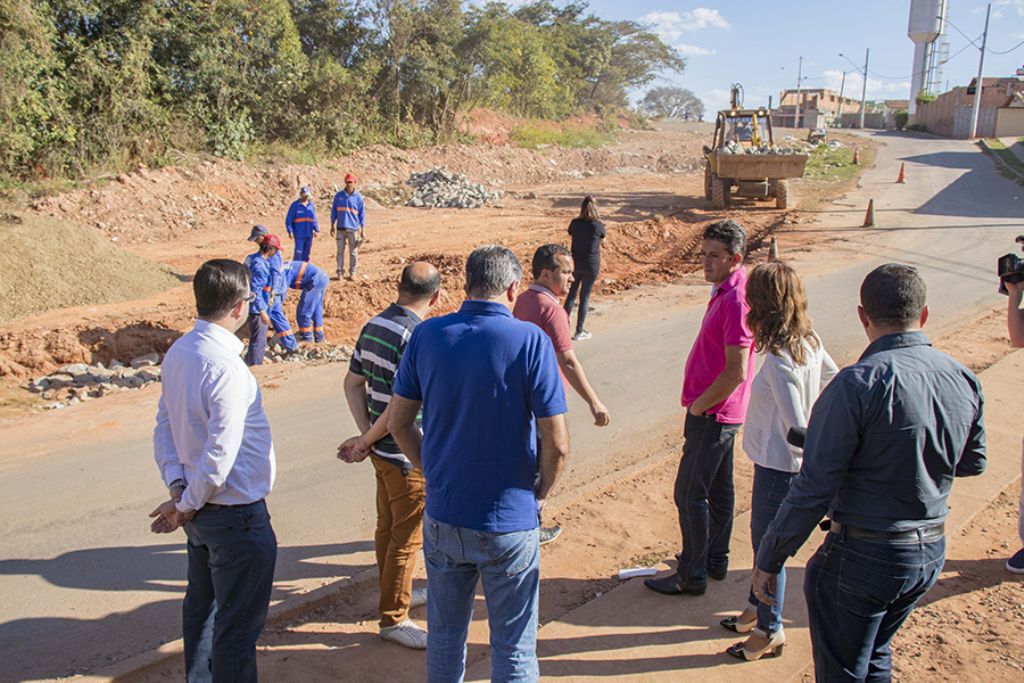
(1011, 271)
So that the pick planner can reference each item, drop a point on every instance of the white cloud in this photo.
(1000, 5)
(669, 26)
(694, 50)
(714, 101)
(877, 90)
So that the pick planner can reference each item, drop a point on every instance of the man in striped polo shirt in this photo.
(400, 487)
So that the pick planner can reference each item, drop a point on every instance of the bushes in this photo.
(900, 119)
(102, 84)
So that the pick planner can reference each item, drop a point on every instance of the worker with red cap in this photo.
(301, 223)
(279, 321)
(309, 314)
(261, 280)
(348, 225)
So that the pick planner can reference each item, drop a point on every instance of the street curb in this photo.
(1004, 168)
(283, 612)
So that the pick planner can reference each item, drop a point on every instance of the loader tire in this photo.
(719, 192)
(707, 181)
(782, 198)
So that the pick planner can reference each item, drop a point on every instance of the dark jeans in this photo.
(582, 283)
(858, 594)
(257, 340)
(705, 497)
(231, 555)
(770, 489)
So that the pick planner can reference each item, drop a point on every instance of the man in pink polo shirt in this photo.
(540, 305)
(716, 391)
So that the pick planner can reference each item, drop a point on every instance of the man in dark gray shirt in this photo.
(884, 441)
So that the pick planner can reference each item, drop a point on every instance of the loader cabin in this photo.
(745, 127)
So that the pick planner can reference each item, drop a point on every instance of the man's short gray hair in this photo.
(490, 270)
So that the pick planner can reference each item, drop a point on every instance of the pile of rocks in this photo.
(733, 147)
(440, 188)
(314, 354)
(79, 382)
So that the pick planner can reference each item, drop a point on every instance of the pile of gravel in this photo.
(80, 382)
(440, 188)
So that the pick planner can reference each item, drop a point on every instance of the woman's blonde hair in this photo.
(588, 209)
(778, 311)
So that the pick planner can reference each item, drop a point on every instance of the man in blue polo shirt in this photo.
(482, 378)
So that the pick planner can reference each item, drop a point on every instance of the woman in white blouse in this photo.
(796, 367)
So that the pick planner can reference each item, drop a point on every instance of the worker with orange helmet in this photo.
(348, 225)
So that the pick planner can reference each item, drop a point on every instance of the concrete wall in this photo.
(950, 114)
(1010, 122)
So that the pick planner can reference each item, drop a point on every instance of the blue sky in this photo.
(759, 43)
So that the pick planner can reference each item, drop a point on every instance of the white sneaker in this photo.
(419, 598)
(581, 335)
(407, 634)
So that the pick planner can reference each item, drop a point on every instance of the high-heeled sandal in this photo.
(773, 648)
(736, 626)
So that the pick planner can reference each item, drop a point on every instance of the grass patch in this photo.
(533, 137)
(1005, 154)
(831, 164)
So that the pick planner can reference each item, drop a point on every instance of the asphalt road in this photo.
(85, 584)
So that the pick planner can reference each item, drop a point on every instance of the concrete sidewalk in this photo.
(634, 634)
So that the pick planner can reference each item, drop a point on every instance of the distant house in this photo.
(1010, 117)
(952, 112)
(819, 107)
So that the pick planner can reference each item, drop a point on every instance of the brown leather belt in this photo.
(926, 534)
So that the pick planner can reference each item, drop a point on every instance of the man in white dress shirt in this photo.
(212, 444)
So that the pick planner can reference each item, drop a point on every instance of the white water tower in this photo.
(927, 22)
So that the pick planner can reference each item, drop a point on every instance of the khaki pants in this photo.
(351, 238)
(399, 536)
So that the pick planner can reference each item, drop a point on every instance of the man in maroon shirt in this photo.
(540, 305)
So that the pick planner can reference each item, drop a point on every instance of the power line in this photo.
(968, 38)
(1006, 52)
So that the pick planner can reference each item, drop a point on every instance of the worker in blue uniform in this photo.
(260, 279)
(309, 314)
(301, 223)
(348, 225)
(279, 321)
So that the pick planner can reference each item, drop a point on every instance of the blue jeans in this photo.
(705, 497)
(231, 555)
(770, 489)
(509, 566)
(858, 594)
(257, 340)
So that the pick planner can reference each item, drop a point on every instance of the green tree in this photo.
(670, 102)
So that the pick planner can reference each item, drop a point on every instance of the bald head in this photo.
(420, 282)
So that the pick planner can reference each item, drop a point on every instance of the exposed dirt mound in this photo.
(49, 263)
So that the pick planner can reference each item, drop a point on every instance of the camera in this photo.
(1010, 268)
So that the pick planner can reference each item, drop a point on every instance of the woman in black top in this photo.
(587, 232)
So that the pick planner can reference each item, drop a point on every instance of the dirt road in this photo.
(80, 570)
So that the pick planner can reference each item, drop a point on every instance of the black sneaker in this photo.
(718, 574)
(549, 533)
(673, 585)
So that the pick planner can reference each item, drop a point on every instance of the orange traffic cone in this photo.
(903, 173)
(869, 217)
(856, 157)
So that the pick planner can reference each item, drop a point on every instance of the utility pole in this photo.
(864, 89)
(839, 114)
(977, 83)
(799, 78)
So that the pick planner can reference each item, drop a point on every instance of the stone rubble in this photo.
(310, 354)
(78, 382)
(440, 188)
